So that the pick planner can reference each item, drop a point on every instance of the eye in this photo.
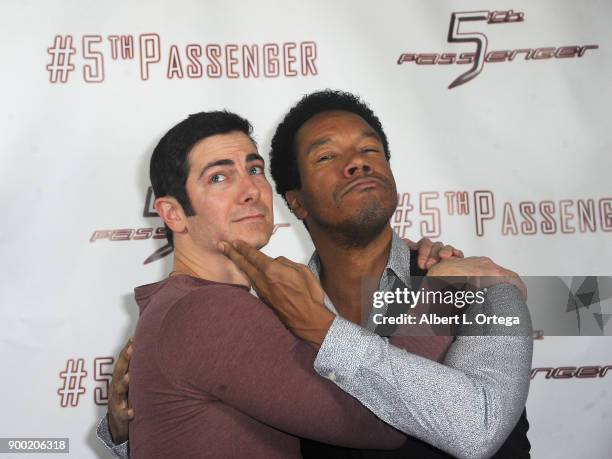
(256, 170)
(217, 178)
(324, 157)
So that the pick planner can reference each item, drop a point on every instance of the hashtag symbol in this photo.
(401, 220)
(72, 389)
(61, 53)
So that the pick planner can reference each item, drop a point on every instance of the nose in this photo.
(357, 165)
(249, 191)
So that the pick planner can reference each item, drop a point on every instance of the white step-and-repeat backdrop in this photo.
(498, 116)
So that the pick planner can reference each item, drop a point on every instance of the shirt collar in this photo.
(399, 259)
(314, 264)
(398, 264)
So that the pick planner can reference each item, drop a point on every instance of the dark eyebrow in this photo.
(228, 162)
(254, 157)
(317, 143)
(220, 162)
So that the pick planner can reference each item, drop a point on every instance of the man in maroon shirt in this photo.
(214, 373)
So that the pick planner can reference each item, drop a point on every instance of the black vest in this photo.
(516, 446)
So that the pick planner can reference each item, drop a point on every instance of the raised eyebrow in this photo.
(254, 157)
(220, 162)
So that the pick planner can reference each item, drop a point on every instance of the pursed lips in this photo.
(366, 181)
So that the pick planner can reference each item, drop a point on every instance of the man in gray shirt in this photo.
(330, 162)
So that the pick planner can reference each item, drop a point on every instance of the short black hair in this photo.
(169, 166)
(283, 154)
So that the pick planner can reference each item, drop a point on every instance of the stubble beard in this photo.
(363, 226)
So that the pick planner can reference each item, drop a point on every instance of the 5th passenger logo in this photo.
(140, 234)
(468, 27)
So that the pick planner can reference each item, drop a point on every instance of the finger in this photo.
(123, 361)
(124, 413)
(294, 265)
(458, 253)
(433, 256)
(314, 286)
(425, 246)
(118, 398)
(411, 244)
(430, 262)
(446, 252)
(287, 262)
(257, 258)
(241, 261)
(123, 386)
(307, 273)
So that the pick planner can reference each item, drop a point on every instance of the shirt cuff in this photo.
(104, 435)
(343, 350)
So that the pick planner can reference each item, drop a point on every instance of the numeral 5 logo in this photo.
(479, 39)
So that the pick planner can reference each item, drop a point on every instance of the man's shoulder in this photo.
(185, 298)
(225, 313)
(217, 297)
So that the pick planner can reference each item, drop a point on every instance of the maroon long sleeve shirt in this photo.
(215, 374)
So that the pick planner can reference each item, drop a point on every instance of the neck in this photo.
(345, 269)
(207, 264)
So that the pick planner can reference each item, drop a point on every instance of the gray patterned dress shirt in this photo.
(469, 405)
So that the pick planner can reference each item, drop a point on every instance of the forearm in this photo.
(314, 409)
(265, 372)
(104, 435)
(467, 407)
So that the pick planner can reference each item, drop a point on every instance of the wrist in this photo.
(316, 332)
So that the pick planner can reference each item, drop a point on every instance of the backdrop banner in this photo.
(498, 118)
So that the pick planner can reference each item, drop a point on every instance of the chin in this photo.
(370, 209)
(259, 242)
(256, 237)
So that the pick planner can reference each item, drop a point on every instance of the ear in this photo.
(171, 213)
(295, 204)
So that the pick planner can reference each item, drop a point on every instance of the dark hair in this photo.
(283, 155)
(169, 165)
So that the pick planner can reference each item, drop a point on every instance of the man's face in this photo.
(229, 192)
(347, 184)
